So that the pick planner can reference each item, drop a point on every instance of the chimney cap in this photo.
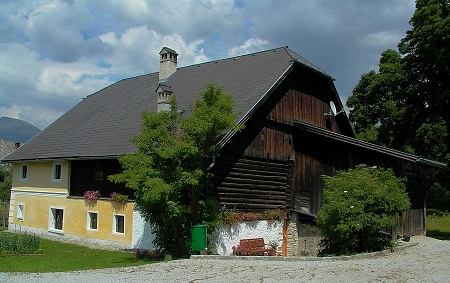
(166, 50)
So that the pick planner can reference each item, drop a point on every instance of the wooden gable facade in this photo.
(257, 168)
(278, 159)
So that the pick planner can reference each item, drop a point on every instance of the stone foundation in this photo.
(308, 239)
(303, 236)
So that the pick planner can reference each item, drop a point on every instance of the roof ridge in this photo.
(121, 80)
(233, 57)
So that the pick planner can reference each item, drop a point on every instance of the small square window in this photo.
(23, 172)
(57, 172)
(20, 211)
(119, 224)
(92, 220)
(99, 173)
(56, 219)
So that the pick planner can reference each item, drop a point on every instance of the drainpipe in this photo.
(213, 161)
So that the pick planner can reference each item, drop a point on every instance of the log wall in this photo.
(252, 184)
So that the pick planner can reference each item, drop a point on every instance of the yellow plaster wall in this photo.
(39, 177)
(37, 211)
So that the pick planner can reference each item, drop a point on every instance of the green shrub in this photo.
(357, 205)
(19, 243)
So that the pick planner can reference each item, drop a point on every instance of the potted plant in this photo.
(238, 250)
(119, 198)
(91, 195)
(273, 246)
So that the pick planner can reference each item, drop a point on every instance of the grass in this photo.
(438, 224)
(61, 257)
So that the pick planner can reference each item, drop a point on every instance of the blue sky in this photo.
(54, 53)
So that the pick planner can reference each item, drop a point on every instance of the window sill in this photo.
(59, 232)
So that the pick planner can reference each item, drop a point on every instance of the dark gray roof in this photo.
(101, 125)
(370, 146)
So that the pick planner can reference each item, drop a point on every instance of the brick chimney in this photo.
(167, 63)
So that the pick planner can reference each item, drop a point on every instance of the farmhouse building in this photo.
(295, 131)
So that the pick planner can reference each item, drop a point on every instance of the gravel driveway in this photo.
(428, 261)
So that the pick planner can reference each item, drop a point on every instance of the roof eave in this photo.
(41, 159)
(381, 149)
(322, 73)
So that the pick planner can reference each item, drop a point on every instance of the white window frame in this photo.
(52, 221)
(114, 226)
(55, 164)
(20, 211)
(89, 220)
(22, 166)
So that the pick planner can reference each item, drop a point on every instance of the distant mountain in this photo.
(16, 130)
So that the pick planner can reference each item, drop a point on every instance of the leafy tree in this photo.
(357, 205)
(405, 105)
(5, 182)
(377, 104)
(426, 61)
(168, 172)
(406, 102)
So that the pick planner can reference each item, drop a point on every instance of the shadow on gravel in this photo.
(437, 234)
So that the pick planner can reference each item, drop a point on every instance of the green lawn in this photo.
(67, 257)
(438, 224)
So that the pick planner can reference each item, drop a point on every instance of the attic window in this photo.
(23, 172)
(57, 172)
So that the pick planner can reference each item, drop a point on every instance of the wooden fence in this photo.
(410, 223)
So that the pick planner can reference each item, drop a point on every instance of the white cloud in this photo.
(54, 52)
(219, 21)
(55, 29)
(250, 45)
(37, 115)
(136, 51)
(381, 39)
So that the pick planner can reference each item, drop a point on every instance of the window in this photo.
(20, 211)
(56, 219)
(92, 220)
(23, 172)
(57, 172)
(99, 175)
(119, 224)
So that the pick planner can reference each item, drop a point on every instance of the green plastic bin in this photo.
(198, 237)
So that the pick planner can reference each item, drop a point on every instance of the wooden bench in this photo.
(254, 246)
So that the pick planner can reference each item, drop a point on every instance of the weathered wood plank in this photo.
(252, 186)
(250, 191)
